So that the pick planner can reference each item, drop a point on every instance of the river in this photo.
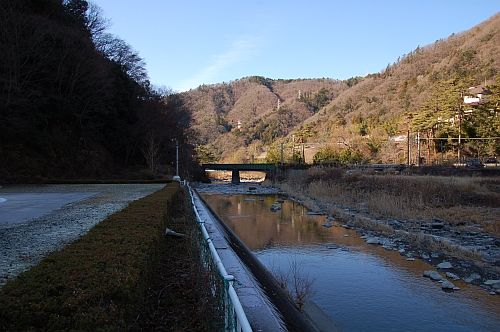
(362, 287)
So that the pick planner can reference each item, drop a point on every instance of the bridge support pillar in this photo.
(235, 176)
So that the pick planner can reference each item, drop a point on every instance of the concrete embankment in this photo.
(260, 313)
(264, 302)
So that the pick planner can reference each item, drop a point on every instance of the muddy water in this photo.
(362, 287)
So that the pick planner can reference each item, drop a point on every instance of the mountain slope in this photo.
(367, 116)
(233, 121)
(380, 106)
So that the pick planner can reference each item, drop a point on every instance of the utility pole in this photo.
(281, 157)
(459, 135)
(408, 152)
(459, 152)
(303, 153)
(442, 152)
(418, 148)
(177, 177)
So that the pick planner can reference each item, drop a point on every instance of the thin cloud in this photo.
(239, 51)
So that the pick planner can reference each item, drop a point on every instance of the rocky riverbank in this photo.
(457, 251)
(466, 253)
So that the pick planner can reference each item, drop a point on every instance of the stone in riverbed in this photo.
(433, 275)
(373, 240)
(444, 265)
(315, 213)
(275, 207)
(493, 283)
(472, 277)
(437, 224)
(447, 285)
(452, 276)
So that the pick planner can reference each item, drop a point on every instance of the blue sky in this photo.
(186, 43)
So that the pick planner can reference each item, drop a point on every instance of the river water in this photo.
(361, 287)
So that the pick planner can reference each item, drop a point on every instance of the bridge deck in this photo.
(240, 167)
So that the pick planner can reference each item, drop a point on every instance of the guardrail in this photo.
(235, 318)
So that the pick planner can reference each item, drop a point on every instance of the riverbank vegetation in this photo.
(457, 200)
(449, 214)
(123, 274)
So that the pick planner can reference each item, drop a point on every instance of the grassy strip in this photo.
(99, 281)
(180, 296)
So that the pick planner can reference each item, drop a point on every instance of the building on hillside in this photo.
(475, 95)
(399, 138)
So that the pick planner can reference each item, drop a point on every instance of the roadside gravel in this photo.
(25, 242)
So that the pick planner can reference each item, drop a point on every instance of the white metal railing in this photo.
(235, 318)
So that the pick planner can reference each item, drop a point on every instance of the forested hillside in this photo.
(363, 118)
(236, 121)
(75, 101)
(422, 92)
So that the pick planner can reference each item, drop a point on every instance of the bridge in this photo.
(237, 168)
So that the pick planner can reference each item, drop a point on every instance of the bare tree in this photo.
(151, 152)
(296, 282)
(95, 22)
(117, 50)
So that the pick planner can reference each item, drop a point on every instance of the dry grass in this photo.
(122, 275)
(431, 243)
(456, 200)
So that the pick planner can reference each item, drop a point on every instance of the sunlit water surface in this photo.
(362, 287)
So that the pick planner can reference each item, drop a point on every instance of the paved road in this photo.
(19, 207)
(36, 220)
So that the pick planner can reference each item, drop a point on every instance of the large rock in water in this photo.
(433, 275)
(447, 285)
(444, 265)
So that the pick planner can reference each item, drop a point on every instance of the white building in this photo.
(475, 95)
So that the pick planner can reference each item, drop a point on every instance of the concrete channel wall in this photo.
(260, 312)
(267, 306)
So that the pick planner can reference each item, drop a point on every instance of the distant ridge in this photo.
(361, 113)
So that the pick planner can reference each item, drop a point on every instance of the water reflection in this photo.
(258, 227)
(363, 287)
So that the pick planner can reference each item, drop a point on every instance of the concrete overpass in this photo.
(237, 168)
